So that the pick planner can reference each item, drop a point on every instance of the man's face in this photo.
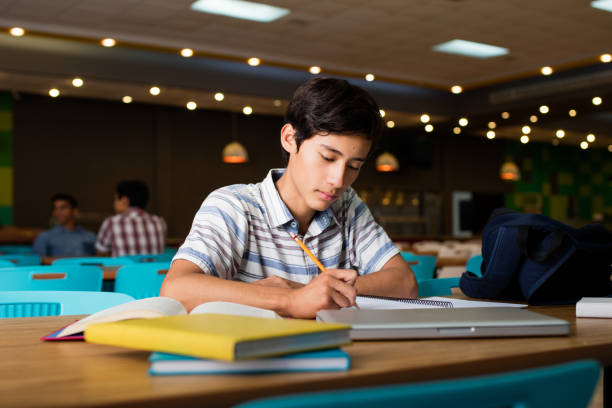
(121, 204)
(325, 166)
(63, 212)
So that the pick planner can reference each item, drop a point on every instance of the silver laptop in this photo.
(369, 324)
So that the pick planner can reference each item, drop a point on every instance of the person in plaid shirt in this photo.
(132, 231)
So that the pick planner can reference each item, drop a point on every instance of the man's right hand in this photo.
(332, 289)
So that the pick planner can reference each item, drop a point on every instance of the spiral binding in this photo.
(426, 302)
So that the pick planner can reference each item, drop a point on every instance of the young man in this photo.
(239, 248)
(132, 231)
(66, 238)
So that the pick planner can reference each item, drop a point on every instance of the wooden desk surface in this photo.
(69, 374)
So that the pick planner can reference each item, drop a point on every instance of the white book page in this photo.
(237, 309)
(141, 308)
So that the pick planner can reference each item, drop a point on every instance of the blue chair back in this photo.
(21, 259)
(568, 385)
(52, 277)
(55, 303)
(141, 280)
(94, 261)
(426, 266)
(6, 264)
(165, 257)
(437, 287)
(473, 265)
(16, 249)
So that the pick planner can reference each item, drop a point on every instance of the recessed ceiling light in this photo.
(191, 105)
(390, 124)
(429, 128)
(382, 113)
(602, 5)
(533, 118)
(526, 130)
(187, 52)
(490, 134)
(253, 61)
(524, 139)
(425, 118)
(546, 70)
(54, 92)
(77, 82)
(605, 58)
(471, 49)
(560, 133)
(219, 97)
(463, 122)
(370, 77)
(584, 145)
(596, 100)
(246, 10)
(17, 31)
(314, 70)
(108, 42)
(247, 110)
(544, 109)
(505, 115)
(154, 90)
(457, 130)
(492, 125)
(456, 89)
(572, 112)
(126, 99)
(590, 138)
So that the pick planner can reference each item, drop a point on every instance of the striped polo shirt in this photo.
(241, 232)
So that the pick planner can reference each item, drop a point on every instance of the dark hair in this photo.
(65, 197)
(332, 105)
(136, 191)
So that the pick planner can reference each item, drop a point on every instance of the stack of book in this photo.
(215, 338)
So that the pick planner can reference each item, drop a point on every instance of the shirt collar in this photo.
(278, 214)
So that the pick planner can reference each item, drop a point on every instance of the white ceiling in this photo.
(391, 38)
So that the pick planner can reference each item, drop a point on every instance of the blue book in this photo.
(321, 360)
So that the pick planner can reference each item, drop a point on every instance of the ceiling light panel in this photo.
(246, 10)
(471, 49)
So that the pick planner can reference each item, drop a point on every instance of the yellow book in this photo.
(219, 336)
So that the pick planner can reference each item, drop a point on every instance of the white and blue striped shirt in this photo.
(241, 232)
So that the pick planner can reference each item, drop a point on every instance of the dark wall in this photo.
(85, 147)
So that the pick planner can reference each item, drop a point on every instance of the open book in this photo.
(155, 307)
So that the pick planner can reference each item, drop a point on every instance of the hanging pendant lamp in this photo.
(387, 162)
(509, 171)
(235, 153)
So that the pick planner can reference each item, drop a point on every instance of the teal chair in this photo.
(57, 302)
(473, 265)
(94, 261)
(71, 277)
(568, 385)
(21, 259)
(425, 267)
(165, 257)
(6, 264)
(437, 287)
(141, 280)
(16, 249)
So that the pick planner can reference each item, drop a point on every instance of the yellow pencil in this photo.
(310, 254)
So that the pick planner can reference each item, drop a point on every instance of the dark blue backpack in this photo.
(531, 257)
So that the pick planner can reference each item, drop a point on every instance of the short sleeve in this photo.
(104, 241)
(370, 248)
(39, 246)
(218, 235)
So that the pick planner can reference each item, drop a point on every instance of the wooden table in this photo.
(69, 374)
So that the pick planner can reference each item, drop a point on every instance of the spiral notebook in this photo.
(377, 302)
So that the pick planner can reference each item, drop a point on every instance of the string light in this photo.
(457, 130)
(108, 42)
(572, 112)
(596, 101)
(77, 82)
(544, 109)
(17, 32)
(590, 138)
(560, 133)
(247, 110)
(54, 92)
(219, 97)
(456, 89)
(429, 128)
(315, 70)
(370, 77)
(526, 130)
(546, 70)
(505, 115)
(154, 90)
(425, 118)
(187, 52)
(191, 105)
(490, 134)
(126, 99)
(253, 61)
(390, 124)
(463, 122)
(492, 125)
(524, 139)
